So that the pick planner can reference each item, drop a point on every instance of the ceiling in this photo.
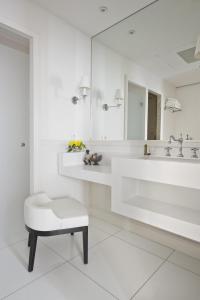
(161, 30)
(86, 16)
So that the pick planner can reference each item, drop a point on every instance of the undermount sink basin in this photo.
(171, 158)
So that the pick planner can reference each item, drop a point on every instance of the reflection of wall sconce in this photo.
(118, 100)
(84, 89)
(172, 105)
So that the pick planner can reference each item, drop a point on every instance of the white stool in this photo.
(46, 217)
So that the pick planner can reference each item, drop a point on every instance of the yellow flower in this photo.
(70, 143)
(76, 143)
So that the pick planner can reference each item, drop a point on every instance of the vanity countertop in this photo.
(98, 174)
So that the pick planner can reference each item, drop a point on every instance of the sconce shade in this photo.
(118, 95)
(85, 86)
(197, 51)
(85, 82)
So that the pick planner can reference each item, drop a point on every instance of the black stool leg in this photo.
(33, 244)
(85, 245)
(72, 233)
(29, 239)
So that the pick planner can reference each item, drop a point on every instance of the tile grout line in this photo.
(114, 235)
(149, 252)
(159, 267)
(77, 269)
(42, 275)
(69, 261)
(89, 248)
(91, 279)
(110, 235)
(64, 262)
(145, 238)
(136, 246)
(118, 229)
(32, 281)
(183, 268)
(140, 248)
(54, 251)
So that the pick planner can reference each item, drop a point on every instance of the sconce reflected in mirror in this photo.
(172, 105)
(118, 100)
(84, 90)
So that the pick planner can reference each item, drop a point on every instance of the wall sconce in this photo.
(84, 89)
(118, 100)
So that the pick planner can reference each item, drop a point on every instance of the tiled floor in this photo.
(122, 265)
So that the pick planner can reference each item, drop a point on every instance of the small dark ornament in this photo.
(87, 157)
(95, 159)
(92, 159)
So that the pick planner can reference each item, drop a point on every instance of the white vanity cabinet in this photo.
(161, 193)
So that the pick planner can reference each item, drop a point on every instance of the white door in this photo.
(14, 141)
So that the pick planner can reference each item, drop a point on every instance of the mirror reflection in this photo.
(146, 74)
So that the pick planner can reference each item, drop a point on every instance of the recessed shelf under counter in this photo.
(164, 194)
(174, 218)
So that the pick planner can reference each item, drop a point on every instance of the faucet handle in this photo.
(168, 149)
(188, 137)
(194, 150)
(181, 137)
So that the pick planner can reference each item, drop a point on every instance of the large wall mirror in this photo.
(146, 74)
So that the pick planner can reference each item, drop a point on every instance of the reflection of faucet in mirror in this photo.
(168, 149)
(188, 137)
(180, 141)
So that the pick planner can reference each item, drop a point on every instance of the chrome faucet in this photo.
(180, 141)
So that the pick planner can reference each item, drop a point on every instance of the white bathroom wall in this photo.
(14, 130)
(63, 58)
(109, 69)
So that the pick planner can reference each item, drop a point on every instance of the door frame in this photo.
(34, 94)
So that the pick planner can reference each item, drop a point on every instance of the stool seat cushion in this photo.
(44, 214)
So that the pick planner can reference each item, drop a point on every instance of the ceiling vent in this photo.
(188, 55)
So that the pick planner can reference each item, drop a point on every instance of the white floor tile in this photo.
(145, 244)
(104, 226)
(186, 262)
(70, 246)
(64, 283)
(119, 267)
(13, 266)
(171, 283)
